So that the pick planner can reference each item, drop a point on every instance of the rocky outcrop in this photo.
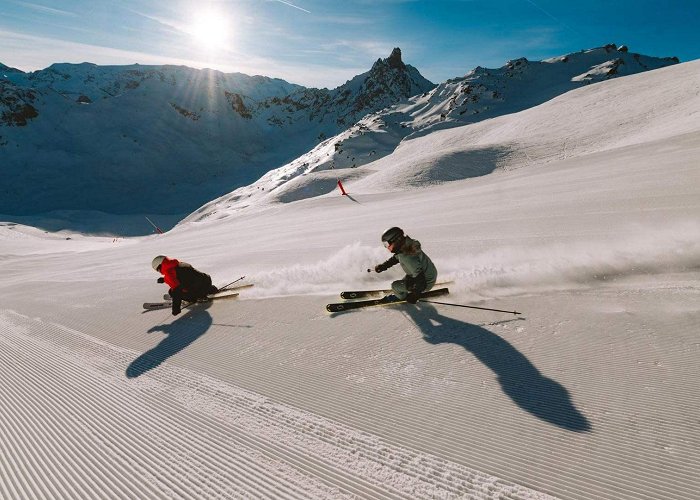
(236, 102)
(16, 105)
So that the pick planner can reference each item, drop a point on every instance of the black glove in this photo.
(412, 297)
(176, 294)
(161, 280)
(415, 283)
(386, 265)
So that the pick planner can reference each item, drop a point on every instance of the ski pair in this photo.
(225, 293)
(390, 299)
(361, 294)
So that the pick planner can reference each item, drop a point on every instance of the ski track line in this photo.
(315, 465)
(678, 489)
(450, 447)
(106, 431)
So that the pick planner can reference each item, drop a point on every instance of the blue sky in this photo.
(323, 43)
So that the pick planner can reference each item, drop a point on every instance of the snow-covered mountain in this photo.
(480, 95)
(165, 139)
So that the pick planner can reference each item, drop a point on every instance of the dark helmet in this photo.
(392, 235)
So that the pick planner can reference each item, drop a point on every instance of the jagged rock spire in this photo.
(394, 59)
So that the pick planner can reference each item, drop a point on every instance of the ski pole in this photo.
(470, 307)
(160, 231)
(234, 281)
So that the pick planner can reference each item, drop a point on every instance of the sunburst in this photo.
(210, 30)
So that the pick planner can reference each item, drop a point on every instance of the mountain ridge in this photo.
(192, 134)
(169, 138)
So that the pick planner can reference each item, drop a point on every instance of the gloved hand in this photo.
(412, 297)
(176, 294)
(380, 268)
(161, 280)
(415, 283)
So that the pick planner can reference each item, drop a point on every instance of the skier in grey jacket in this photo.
(421, 273)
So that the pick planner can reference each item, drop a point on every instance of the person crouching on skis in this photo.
(185, 282)
(421, 273)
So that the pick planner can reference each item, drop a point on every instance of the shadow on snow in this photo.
(520, 380)
(180, 334)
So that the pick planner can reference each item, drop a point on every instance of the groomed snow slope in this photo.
(590, 394)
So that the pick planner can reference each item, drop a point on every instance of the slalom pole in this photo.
(340, 184)
(234, 281)
(470, 307)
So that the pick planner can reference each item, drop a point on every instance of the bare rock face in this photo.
(394, 60)
(16, 105)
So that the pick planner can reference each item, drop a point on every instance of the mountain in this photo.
(81, 140)
(166, 139)
(480, 95)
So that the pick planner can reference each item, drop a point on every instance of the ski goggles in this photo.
(389, 245)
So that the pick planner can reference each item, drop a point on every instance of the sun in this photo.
(210, 30)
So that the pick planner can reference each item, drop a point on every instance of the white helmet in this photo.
(155, 264)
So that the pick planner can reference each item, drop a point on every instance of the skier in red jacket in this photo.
(185, 282)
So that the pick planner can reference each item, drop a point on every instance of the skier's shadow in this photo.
(180, 333)
(520, 380)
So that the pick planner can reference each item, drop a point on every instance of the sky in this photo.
(324, 43)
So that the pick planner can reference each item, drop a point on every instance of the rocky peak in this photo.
(394, 60)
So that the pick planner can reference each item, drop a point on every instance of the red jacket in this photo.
(167, 269)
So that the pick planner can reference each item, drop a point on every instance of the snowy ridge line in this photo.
(594, 474)
(97, 417)
(370, 489)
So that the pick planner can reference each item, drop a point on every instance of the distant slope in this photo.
(165, 139)
(420, 152)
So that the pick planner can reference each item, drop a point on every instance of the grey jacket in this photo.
(414, 262)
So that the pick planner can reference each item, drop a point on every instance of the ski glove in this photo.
(386, 265)
(412, 297)
(415, 283)
(161, 280)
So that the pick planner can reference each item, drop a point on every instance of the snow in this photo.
(587, 221)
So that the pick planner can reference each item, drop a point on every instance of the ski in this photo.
(169, 303)
(346, 306)
(361, 294)
(167, 298)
